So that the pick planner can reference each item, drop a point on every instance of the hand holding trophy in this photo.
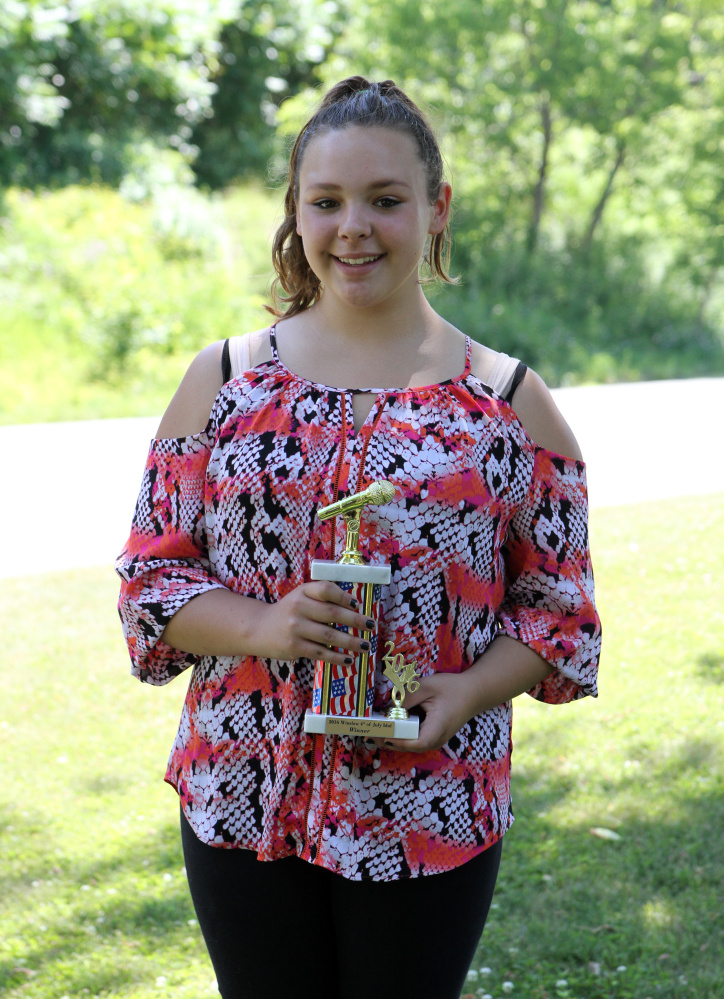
(343, 695)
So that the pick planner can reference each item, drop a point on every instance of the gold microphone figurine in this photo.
(343, 695)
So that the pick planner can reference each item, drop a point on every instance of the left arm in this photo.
(508, 667)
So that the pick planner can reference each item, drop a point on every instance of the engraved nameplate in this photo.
(376, 727)
(364, 727)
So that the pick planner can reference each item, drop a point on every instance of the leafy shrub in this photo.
(87, 275)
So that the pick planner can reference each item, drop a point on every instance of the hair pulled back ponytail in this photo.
(354, 101)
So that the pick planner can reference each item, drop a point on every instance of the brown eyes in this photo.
(327, 203)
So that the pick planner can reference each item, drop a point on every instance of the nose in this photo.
(354, 222)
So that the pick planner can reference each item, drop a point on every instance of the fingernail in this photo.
(348, 661)
(364, 645)
(353, 604)
(370, 623)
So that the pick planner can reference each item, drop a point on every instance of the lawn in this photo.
(611, 883)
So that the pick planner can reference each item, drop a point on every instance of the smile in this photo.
(357, 261)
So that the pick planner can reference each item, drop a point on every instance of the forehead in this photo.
(354, 153)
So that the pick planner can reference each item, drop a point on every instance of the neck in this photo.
(409, 324)
(384, 346)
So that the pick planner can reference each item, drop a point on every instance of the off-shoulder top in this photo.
(487, 534)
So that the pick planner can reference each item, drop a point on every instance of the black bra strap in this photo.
(517, 379)
(225, 363)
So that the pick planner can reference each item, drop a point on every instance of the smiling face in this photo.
(364, 215)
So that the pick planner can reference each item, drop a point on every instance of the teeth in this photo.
(357, 260)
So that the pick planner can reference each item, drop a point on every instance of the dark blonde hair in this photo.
(354, 101)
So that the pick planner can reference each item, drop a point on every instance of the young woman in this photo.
(337, 867)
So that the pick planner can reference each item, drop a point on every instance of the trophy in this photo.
(343, 695)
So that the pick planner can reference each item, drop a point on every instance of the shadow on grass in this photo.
(647, 899)
(37, 862)
(106, 783)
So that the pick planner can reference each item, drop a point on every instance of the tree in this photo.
(516, 82)
(83, 82)
(578, 214)
(269, 52)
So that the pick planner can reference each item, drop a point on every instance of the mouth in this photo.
(359, 261)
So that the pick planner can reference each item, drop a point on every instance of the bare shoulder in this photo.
(536, 409)
(188, 412)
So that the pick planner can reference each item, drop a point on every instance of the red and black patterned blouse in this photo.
(487, 533)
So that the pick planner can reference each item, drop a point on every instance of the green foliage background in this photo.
(105, 301)
(584, 140)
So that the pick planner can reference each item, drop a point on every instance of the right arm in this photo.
(223, 623)
(211, 619)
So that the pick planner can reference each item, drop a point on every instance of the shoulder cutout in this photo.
(535, 408)
(189, 410)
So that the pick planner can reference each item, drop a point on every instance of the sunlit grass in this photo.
(94, 897)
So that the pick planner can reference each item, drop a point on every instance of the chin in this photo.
(356, 298)
(364, 302)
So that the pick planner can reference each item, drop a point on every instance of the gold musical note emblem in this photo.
(403, 676)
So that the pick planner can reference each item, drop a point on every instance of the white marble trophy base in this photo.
(341, 572)
(375, 727)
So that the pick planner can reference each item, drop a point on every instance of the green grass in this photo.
(95, 901)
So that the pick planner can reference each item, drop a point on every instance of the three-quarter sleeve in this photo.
(164, 563)
(549, 602)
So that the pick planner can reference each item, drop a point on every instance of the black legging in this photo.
(288, 928)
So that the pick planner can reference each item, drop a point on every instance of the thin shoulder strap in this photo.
(235, 357)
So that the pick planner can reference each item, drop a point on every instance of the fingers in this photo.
(444, 714)
(335, 601)
(402, 745)
(430, 738)
(328, 592)
(324, 609)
